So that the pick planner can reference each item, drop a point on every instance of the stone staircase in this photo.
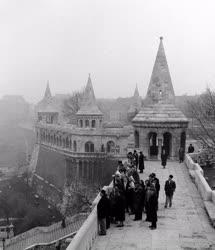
(45, 235)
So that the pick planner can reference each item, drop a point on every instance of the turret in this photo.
(89, 115)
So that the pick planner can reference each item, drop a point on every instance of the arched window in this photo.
(64, 142)
(67, 142)
(89, 147)
(93, 123)
(136, 139)
(74, 146)
(81, 123)
(87, 123)
(110, 147)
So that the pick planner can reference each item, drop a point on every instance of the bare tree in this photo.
(203, 112)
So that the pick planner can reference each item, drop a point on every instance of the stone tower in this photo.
(89, 115)
(159, 124)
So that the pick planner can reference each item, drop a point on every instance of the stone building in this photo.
(160, 124)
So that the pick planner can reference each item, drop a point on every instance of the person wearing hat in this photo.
(156, 182)
(141, 162)
(169, 188)
(102, 212)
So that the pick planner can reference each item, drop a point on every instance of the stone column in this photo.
(160, 143)
(77, 170)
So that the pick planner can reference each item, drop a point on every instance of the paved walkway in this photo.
(184, 226)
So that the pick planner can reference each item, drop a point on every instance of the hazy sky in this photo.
(114, 40)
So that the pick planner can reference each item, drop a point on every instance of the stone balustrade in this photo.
(89, 230)
(207, 194)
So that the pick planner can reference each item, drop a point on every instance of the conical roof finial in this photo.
(48, 91)
(160, 87)
(136, 92)
(89, 105)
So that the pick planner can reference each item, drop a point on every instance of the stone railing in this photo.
(207, 194)
(89, 230)
(46, 235)
(198, 175)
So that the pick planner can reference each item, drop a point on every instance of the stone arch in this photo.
(136, 139)
(89, 147)
(87, 123)
(60, 141)
(74, 146)
(167, 143)
(67, 142)
(81, 123)
(64, 142)
(153, 144)
(110, 146)
(93, 123)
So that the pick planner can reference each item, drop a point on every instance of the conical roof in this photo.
(88, 105)
(47, 92)
(135, 101)
(136, 92)
(157, 113)
(159, 104)
(160, 87)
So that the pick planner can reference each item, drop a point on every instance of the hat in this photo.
(153, 174)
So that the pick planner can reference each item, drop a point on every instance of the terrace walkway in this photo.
(184, 226)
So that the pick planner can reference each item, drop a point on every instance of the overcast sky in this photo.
(114, 40)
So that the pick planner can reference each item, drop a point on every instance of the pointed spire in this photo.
(89, 92)
(136, 92)
(160, 87)
(47, 92)
(89, 105)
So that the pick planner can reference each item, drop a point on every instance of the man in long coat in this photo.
(102, 212)
(163, 158)
(141, 162)
(120, 207)
(169, 188)
(152, 207)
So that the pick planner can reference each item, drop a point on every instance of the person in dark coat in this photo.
(141, 162)
(138, 202)
(156, 182)
(169, 188)
(181, 154)
(147, 195)
(190, 149)
(120, 207)
(152, 207)
(163, 158)
(102, 212)
(129, 195)
(135, 158)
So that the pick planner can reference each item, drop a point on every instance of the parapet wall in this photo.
(197, 174)
(89, 230)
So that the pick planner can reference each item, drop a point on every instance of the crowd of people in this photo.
(129, 194)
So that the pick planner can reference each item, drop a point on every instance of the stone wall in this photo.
(51, 166)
